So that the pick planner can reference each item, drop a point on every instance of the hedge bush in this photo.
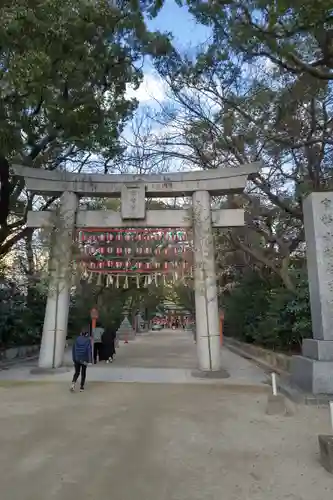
(263, 312)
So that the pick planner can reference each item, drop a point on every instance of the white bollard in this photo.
(277, 404)
(274, 384)
(331, 413)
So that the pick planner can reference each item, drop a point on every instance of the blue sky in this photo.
(181, 24)
(187, 35)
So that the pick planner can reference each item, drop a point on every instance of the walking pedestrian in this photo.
(97, 333)
(108, 341)
(82, 356)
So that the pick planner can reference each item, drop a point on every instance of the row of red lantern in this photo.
(132, 235)
(130, 266)
(109, 250)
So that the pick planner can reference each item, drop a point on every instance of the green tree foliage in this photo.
(264, 312)
(297, 36)
(64, 68)
(258, 90)
(19, 324)
(111, 302)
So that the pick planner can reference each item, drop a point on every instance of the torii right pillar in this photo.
(313, 371)
(206, 306)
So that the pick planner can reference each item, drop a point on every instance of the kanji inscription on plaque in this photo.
(133, 202)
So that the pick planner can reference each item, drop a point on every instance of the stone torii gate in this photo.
(133, 189)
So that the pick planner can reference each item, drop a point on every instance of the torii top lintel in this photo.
(217, 182)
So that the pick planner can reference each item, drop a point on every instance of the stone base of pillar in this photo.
(326, 452)
(314, 376)
(208, 352)
(219, 374)
(321, 350)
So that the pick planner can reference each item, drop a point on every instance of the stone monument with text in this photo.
(313, 371)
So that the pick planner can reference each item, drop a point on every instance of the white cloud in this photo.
(151, 89)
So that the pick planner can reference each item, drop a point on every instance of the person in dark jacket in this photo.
(108, 340)
(82, 356)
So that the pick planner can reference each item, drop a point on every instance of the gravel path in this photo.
(157, 441)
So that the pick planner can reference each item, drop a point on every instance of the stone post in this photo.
(207, 320)
(60, 282)
(313, 371)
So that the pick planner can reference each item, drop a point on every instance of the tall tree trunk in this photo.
(4, 195)
(31, 271)
(285, 275)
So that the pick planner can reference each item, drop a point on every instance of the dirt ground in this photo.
(151, 441)
(156, 441)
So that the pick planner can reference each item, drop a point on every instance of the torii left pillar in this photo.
(60, 281)
(206, 307)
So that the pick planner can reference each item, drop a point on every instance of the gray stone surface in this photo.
(321, 350)
(133, 201)
(24, 351)
(232, 217)
(278, 405)
(299, 396)
(59, 286)
(18, 352)
(326, 452)
(318, 224)
(140, 324)
(313, 371)
(12, 353)
(36, 370)
(220, 374)
(125, 331)
(154, 218)
(312, 375)
(168, 356)
(217, 181)
(205, 289)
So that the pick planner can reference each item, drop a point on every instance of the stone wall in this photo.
(20, 352)
(281, 363)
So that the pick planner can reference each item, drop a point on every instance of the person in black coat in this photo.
(108, 341)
